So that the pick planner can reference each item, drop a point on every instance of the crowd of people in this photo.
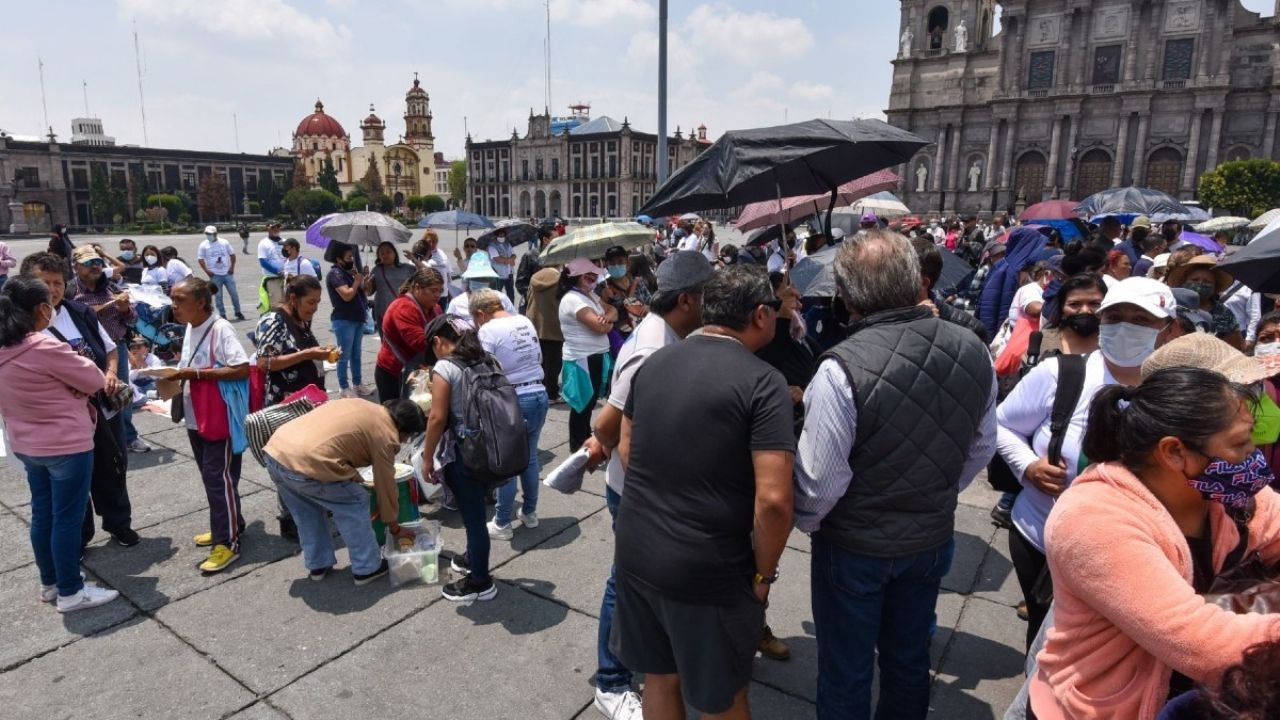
(1120, 390)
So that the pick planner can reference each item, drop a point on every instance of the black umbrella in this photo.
(1130, 201)
(518, 232)
(769, 234)
(808, 158)
(955, 273)
(1257, 264)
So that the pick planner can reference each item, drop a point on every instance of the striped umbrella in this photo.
(1264, 220)
(592, 241)
(788, 210)
(1210, 227)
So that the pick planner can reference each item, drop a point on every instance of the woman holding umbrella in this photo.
(1202, 275)
(347, 288)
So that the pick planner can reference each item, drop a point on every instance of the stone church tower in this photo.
(417, 119)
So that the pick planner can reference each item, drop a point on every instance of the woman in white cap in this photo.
(479, 275)
(1136, 316)
(585, 323)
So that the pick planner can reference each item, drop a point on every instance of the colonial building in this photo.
(46, 183)
(1074, 96)
(442, 179)
(407, 166)
(575, 167)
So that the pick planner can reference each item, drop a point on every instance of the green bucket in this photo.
(408, 499)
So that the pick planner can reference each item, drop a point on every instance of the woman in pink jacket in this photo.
(1138, 537)
(45, 405)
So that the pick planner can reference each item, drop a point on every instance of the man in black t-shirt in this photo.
(708, 448)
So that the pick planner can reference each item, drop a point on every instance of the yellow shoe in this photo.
(203, 539)
(219, 559)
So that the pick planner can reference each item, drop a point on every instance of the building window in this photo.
(537, 168)
(1040, 75)
(1177, 58)
(1106, 65)
(555, 168)
(577, 166)
(27, 177)
(595, 166)
(524, 169)
(613, 166)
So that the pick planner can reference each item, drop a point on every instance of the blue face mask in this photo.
(474, 285)
(126, 255)
(617, 271)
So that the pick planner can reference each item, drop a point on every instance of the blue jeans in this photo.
(862, 604)
(350, 337)
(533, 408)
(59, 495)
(311, 501)
(468, 493)
(611, 675)
(122, 372)
(228, 282)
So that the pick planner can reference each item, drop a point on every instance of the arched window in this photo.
(1093, 173)
(939, 23)
(1164, 170)
(1237, 153)
(1029, 181)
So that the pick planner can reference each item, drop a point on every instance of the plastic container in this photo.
(408, 494)
(420, 561)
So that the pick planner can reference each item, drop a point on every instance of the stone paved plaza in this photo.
(262, 641)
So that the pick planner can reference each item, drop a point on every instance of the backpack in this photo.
(494, 441)
(1066, 396)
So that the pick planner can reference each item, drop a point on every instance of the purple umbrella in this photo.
(314, 237)
(1203, 242)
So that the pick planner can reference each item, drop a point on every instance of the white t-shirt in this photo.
(1027, 294)
(269, 250)
(1022, 435)
(514, 342)
(579, 340)
(299, 266)
(652, 334)
(501, 250)
(460, 305)
(175, 270)
(777, 261)
(216, 255)
(220, 349)
(62, 323)
(443, 265)
(154, 274)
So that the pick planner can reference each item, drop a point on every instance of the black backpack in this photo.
(1071, 370)
(494, 441)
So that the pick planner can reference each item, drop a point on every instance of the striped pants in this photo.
(220, 472)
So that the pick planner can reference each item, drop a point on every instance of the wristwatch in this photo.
(767, 579)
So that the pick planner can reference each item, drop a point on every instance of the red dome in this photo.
(320, 124)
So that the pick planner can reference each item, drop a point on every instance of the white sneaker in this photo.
(624, 705)
(348, 393)
(365, 390)
(139, 446)
(529, 520)
(49, 593)
(90, 596)
(499, 532)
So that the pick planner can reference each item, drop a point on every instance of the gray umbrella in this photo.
(365, 228)
(815, 275)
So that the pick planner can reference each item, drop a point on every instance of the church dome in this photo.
(318, 124)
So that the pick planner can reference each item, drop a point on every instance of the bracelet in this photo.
(197, 373)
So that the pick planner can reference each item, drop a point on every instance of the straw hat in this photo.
(1204, 351)
(1178, 275)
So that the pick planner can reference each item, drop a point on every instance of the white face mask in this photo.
(1126, 344)
(151, 259)
(1267, 349)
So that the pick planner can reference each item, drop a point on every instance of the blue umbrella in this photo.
(454, 220)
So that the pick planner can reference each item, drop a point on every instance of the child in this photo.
(141, 358)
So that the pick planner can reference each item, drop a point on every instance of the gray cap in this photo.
(684, 270)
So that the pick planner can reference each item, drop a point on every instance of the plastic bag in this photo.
(410, 561)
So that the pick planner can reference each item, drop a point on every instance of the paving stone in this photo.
(982, 670)
(997, 581)
(162, 568)
(575, 577)
(980, 493)
(30, 627)
(15, 542)
(536, 656)
(790, 615)
(973, 534)
(279, 624)
(259, 711)
(136, 670)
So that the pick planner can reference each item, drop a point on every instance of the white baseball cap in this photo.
(582, 266)
(210, 230)
(1151, 295)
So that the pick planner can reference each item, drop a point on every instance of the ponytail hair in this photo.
(421, 278)
(1191, 404)
(21, 295)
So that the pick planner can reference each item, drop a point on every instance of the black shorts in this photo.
(709, 646)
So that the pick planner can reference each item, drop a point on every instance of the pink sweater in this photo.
(1125, 613)
(44, 389)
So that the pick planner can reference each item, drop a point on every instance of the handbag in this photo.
(178, 408)
(1246, 583)
(211, 411)
(261, 425)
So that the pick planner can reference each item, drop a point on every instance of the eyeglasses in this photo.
(775, 304)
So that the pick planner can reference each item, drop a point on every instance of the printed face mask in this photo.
(1267, 349)
(1233, 484)
(1203, 289)
(1127, 344)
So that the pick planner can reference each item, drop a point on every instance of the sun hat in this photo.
(582, 266)
(1151, 295)
(1178, 275)
(84, 254)
(479, 266)
(1142, 221)
(1202, 350)
(210, 230)
(683, 270)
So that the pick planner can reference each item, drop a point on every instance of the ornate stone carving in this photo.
(1182, 17)
(1044, 31)
(1111, 23)
(975, 174)
(1169, 125)
(905, 43)
(922, 176)
(1100, 127)
(961, 34)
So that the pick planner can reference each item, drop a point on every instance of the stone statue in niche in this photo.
(975, 174)
(905, 41)
(922, 175)
(961, 37)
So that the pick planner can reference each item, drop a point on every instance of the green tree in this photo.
(432, 203)
(414, 203)
(213, 198)
(296, 202)
(188, 203)
(321, 202)
(1242, 187)
(372, 179)
(300, 180)
(458, 182)
(327, 178)
(358, 202)
(171, 204)
(102, 202)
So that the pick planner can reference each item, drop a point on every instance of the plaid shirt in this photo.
(113, 319)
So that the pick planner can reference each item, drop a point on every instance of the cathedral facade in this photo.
(1070, 97)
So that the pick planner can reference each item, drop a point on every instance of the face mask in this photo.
(1233, 484)
(474, 285)
(1169, 235)
(1127, 344)
(126, 254)
(210, 238)
(1203, 289)
(151, 259)
(1084, 324)
(617, 271)
(1266, 420)
(1267, 349)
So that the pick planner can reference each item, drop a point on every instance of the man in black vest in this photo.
(898, 419)
(77, 325)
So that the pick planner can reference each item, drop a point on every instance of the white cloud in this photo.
(596, 13)
(643, 48)
(748, 38)
(244, 20)
(812, 91)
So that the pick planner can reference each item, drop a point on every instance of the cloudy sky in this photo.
(733, 64)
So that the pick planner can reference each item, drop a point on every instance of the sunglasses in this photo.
(775, 304)
(94, 263)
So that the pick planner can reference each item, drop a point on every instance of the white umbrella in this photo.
(1209, 227)
(365, 228)
(883, 204)
(1264, 220)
